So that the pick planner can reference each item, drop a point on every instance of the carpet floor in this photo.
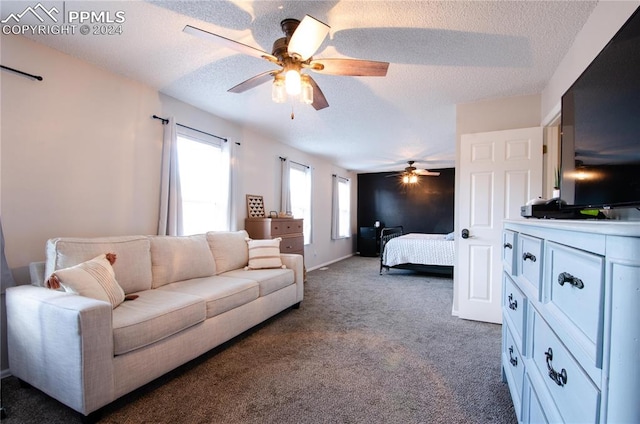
(362, 348)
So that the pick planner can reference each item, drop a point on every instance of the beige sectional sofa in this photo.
(193, 293)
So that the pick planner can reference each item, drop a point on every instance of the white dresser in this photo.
(571, 320)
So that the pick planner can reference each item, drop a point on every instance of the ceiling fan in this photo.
(410, 174)
(293, 54)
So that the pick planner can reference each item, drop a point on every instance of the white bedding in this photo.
(424, 249)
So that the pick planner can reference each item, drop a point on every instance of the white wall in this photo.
(80, 156)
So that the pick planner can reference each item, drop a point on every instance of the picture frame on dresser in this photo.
(255, 206)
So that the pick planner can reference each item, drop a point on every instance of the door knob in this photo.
(465, 233)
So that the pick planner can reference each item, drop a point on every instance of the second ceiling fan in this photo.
(293, 54)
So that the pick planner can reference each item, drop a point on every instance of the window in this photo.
(300, 192)
(204, 184)
(341, 215)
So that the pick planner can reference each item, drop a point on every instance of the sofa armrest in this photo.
(62, 344)
(296, 263)
(36, 273)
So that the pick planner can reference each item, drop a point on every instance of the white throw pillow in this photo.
(94, 278)
(264, 254)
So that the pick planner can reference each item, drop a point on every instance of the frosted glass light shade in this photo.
(306, 96)
(278, 92)
(292, 82)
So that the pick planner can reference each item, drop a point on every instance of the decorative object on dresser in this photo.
(255, 206)
(571, 322)
(289, 229)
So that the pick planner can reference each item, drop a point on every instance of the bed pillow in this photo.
(264, 254)
(94, 278)
(449, 236)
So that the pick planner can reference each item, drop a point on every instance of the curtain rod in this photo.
(338, 176)
(165, 121)
(292, 161)
(38, 77)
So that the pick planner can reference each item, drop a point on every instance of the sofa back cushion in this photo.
(132, 268)
(177, 258)
(229, 249)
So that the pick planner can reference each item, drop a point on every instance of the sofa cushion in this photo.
(177, 258)
(220, 293)
(153, 316)
(229, 249)
(270, 280)
(132, 269)
(94, 278)
(264, 253)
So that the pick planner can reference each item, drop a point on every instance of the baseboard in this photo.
(330, 262)
(5, 373)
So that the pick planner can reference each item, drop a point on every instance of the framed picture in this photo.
(255, 206)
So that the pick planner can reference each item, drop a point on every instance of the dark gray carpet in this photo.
(363, 348)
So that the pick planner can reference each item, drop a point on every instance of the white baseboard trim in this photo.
(5, 373)
(330, 262)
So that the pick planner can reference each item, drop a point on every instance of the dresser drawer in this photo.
(292, 244)
(574, 394)
(574, 288)
(286, 226)
(529, 261)
(508, 250)
(513, 366)
(514, 305)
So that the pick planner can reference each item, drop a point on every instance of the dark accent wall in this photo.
(426, 207)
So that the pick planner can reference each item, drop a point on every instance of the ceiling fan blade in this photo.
(425, 173)
(319, 101)
(253, 82)
(307, 38)
(350, 67)
(225, 42)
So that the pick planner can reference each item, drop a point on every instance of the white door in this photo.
(499, 172)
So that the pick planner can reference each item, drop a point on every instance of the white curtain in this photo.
(285, 192)
(170, 217)
(230, 154)
(335, 208)
(6, 278)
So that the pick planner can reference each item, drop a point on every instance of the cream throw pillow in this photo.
(229, 249)
(94, 278)
(264, 254)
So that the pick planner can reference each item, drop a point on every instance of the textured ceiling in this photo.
(440, 54)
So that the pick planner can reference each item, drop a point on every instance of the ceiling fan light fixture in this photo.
(278, 91)
(292, 82)
(306, 95)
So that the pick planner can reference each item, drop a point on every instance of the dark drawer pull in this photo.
(513, 303)
(514, 361)
(559, 377)
(529, 256)
(565, 277)
(508, 246)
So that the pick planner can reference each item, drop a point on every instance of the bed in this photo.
(433, 253)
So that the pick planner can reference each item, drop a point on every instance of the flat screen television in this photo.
(600, 144)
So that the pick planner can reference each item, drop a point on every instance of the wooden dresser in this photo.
(289, 229)
(571, 322)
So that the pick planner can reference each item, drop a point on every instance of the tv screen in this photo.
(600, 153)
